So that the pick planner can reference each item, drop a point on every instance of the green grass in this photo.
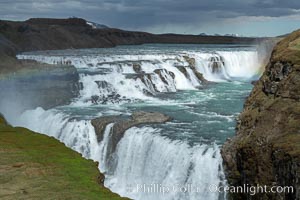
(295, 44)
(35, 166)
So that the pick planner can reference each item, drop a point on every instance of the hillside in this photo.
(47, 34)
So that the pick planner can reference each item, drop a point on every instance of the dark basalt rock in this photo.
(191, 61)
(200, 77)
(278, 71)
(159, 71)
(253, 82)
(216, 61)
(147, 80)
(182, 69)
(137, 68)
(144, 77)
(110, 98)
(192, 65)
(103, 84)
(215, 68)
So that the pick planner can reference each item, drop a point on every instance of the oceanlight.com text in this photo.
(189, 188)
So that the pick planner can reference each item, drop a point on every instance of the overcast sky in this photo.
(244, 17)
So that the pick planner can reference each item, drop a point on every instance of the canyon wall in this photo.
(266, 148)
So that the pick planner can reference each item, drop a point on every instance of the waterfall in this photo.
(126, 78)
(142, 156)
(76, 134)
(146, 158)
(227, 65)
(99, 152)
(194, 80)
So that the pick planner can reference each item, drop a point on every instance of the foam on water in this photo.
(146, 159)
(112, 79)
(147, 155)
(138, 159)
(231, 65)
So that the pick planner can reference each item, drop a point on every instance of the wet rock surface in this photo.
(216, 61)
(159, 72)
(121, 124)
(266, 148)
(192, 65)
(147, 80)
(137, 67)
(183, 70)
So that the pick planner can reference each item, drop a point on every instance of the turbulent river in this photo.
(176, 160)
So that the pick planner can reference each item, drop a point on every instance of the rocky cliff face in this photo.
(266, 148)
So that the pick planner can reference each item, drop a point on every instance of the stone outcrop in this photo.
(121, 124)
(216, 62)
(137, 67)
(147, 80)
(183, 70)
(192, 65)
(266, 148)
(159, 72)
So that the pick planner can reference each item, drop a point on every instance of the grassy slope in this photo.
(35, 166)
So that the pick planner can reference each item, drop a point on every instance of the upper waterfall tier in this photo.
(126, 77)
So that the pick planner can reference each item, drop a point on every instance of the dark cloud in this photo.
(146, 14)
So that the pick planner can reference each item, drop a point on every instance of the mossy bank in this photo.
(35, 166)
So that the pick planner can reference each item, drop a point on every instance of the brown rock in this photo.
(122, 124)
(266, 148)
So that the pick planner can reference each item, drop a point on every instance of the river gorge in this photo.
(151, 115)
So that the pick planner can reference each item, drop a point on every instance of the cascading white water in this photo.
(192, 77)
(112, 79)
(168, 86)
(146, 160)
(114, 83)
(78, 135)
(140, 158)
(231, 65)
(143, 155)
(99, 152)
